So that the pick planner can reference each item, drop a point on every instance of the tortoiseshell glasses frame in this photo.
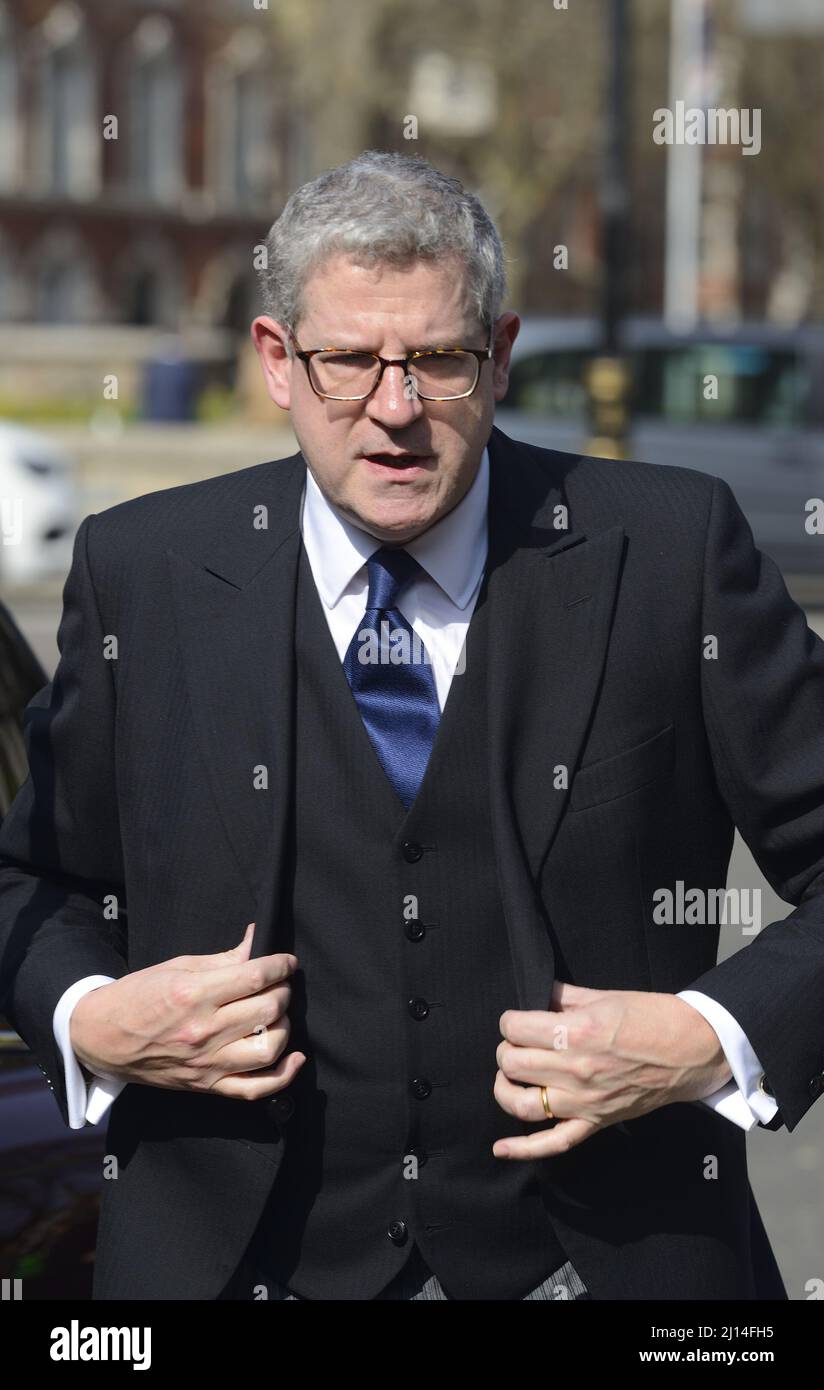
(480, 356)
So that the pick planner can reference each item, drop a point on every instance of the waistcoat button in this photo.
(418, 1008)
(421, 1088)
(282, 1107)
(398, 1232)
(412, 851)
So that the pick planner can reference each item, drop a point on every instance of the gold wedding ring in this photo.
(546, 1105)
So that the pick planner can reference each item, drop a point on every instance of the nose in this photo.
(394, 402)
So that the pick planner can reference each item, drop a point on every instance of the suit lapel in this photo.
(234, 596)
(552, 595)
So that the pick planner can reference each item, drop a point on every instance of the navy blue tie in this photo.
(388, 669)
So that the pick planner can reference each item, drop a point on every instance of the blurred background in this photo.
(653, 167)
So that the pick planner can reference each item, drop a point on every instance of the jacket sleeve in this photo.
(763, 699)
(63, 912)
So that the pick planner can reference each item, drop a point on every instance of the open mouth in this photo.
(400, 462)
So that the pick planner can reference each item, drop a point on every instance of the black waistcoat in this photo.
(404, 972)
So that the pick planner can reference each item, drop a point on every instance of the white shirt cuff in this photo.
(83, 1108)
(740, 1100)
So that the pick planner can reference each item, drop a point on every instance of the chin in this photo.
(394, 521)
(395, 530)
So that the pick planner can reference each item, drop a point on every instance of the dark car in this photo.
(49, 1175)
(762, 432)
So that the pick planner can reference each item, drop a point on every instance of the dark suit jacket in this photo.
(141, 786)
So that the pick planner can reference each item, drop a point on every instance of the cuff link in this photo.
(765, 1087)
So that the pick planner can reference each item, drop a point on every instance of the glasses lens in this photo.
(344, 373)
(444, 374)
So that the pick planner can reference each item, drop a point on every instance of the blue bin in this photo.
(170, 389)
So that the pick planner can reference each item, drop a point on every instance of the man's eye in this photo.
(355, 360)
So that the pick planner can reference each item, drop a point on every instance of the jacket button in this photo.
(415, 930)
(412, 851)
(398, 1232)
(282, 1107)
(421, 1088)
(418, 1008)
(816, 1085)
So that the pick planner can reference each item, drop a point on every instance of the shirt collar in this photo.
(453, 551)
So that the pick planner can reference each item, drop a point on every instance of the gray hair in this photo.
(382, 208)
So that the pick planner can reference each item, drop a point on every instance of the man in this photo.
(435, 716)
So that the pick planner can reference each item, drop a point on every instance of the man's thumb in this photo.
(245, 945)
(217, 959)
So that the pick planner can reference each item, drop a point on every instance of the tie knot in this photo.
(389, 571)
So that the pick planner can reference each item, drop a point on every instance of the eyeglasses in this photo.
(435, 374)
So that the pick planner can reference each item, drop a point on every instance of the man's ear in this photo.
(270, 339)
(507, 328)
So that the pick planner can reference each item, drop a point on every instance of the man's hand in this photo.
(213, 1023)
(604, 1056)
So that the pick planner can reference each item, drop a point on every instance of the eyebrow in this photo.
(429, 347)
(419, 347)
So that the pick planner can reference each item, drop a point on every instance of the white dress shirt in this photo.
(438, 605)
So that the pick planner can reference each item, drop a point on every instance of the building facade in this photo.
(145, 149)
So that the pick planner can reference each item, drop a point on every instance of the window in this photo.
(9, 132)
(549, 383)
(64, 281)
(148, 283)
(68, 136)
(155, 112)
(9, 285)
(756, 385)
(241, 152)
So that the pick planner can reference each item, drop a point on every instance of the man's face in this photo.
(389, 311)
